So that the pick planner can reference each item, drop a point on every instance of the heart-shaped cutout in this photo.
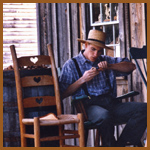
(34, 59)
(39, 100)
(37, 79)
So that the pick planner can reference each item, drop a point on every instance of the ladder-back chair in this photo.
(41, 101)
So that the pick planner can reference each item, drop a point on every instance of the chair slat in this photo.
(40, 80)
(39, 101)
(141, 73)
(138, 53)
(29, 135)
(33, 60)
(59, 137)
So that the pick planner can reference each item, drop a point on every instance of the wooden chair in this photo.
(40, 101)
(78, 104)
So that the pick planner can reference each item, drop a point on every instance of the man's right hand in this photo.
(89, 74)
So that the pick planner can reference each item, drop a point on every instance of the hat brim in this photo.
(95, 43)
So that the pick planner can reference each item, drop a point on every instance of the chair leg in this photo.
(97, 140)
(36, 132)
(61, 142)
(140, 144)
(23, 139)
(86, 132)
(81, 130)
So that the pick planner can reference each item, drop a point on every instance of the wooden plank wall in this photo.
(62, 23)
(60, 26)
(138, 39)
(20, 29)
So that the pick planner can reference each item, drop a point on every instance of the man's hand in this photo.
(87, 76)
(90, 74)
(102, 66)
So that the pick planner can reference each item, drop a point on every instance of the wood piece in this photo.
(81, 130)
(40, 80)
(29, 135)
(36, 132)
(39, 101)
(59, 137)
(33, 60)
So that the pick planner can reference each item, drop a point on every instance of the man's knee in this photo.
(99, 115)
(106, 117)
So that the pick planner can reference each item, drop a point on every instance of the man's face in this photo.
(92, 52)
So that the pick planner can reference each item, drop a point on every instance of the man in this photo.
(102, 109)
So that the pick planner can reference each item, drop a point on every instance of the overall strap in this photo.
(107, 77)
(80, 75)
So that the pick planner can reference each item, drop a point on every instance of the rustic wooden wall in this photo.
(64, 29)
(138, 39)
(59, 26)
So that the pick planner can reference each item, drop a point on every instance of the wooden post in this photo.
(81, 130)
(36, 132)
(61, 141)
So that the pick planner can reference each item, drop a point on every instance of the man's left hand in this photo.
(102, 66)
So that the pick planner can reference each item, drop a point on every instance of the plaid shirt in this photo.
(96, 86)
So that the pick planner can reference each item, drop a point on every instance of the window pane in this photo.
(114, 11)
(96, 12)
(106, 12)
(109, 32)
(116, 33)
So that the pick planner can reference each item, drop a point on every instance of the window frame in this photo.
(119, 22)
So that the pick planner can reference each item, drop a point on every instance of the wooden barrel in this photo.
(11, 129)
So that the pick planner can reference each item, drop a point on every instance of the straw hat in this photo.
(97, 38)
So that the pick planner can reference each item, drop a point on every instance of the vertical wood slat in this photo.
(69, 30)
(85, 19)
(81, 23)
(36, 132)
(62, 32)
(49, 22)
(127, 40)
(55, 32)
(38, 27)
(137, 40)
(75, 28)
(43, 28)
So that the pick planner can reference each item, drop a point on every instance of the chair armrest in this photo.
(130, 94)
(78, 104)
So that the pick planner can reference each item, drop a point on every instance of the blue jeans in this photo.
(105, 113)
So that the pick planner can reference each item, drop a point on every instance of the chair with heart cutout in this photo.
(58, 119)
